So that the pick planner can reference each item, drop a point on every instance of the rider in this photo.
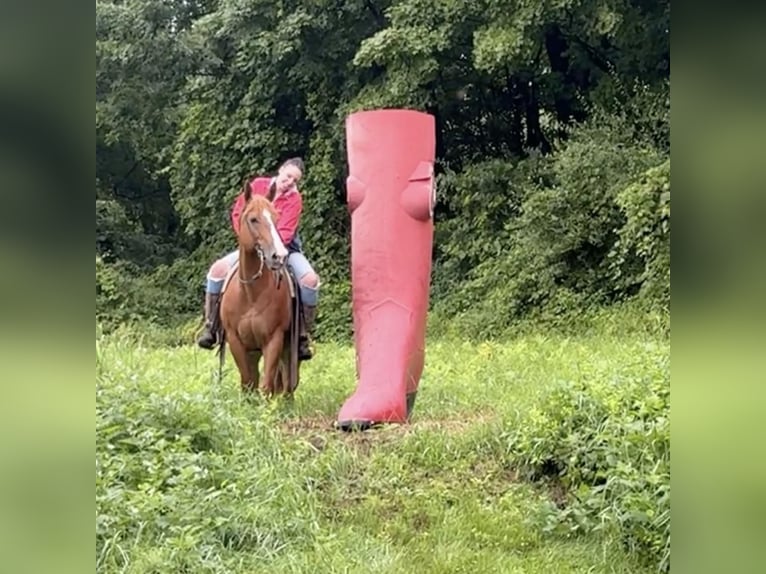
(282, 190)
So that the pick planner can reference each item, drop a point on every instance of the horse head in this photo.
(258, 230)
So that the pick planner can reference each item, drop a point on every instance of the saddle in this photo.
(287, 276)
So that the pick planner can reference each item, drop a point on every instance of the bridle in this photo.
(258, 274)
(261, 256)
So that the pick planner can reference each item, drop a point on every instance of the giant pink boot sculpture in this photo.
(391, 195)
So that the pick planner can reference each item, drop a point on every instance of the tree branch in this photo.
(377, 14)
(601, 61)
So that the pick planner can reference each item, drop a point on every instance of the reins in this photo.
(257, 274)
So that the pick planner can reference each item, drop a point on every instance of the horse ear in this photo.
(246, 190)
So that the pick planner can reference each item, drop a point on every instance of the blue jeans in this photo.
(296, 261)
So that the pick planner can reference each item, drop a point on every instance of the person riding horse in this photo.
(283, 192)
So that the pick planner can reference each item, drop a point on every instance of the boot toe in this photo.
(206, 341)
(304, 352)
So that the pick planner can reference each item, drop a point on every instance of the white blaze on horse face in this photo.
(279, 247)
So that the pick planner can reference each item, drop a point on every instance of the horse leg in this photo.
(239, 353)
(279, 377)
(255, 358)
(271, 352)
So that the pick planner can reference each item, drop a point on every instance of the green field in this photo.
(544, 453)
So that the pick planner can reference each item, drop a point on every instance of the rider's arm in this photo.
(290, 217)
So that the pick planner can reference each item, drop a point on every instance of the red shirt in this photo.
(289, 206)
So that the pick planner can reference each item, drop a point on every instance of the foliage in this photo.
(552, 130)
(568, 232)
(124, 295)
(189, 476)
(142, 63)
(606, 443)
(641, 256)
(552, 233)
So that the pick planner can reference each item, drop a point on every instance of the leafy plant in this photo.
(606, 445)
(192, 477)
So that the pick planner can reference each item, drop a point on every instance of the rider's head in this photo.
(289, 174)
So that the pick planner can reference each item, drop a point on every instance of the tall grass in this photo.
(541, 453)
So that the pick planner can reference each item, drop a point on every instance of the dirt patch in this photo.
(455, 424)
(310, 424)
(319, 431)
(325, 424)
(557, 493)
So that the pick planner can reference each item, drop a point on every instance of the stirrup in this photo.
(207, 335)
(305, 353)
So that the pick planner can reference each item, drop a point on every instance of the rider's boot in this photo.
(209, 337)
(307, 326)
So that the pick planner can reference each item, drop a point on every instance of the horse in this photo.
(259, 311)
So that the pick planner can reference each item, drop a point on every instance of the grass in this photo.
(192, 478)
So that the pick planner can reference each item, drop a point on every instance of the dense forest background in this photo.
(553, 146)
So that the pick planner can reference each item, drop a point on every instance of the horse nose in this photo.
(278, 257)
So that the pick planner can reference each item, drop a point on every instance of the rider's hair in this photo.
(297, 162)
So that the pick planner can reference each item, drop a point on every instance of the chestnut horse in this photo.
(258, 316)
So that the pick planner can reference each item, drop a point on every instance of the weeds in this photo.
(541, 453)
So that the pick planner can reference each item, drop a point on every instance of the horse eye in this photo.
(253, 219)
